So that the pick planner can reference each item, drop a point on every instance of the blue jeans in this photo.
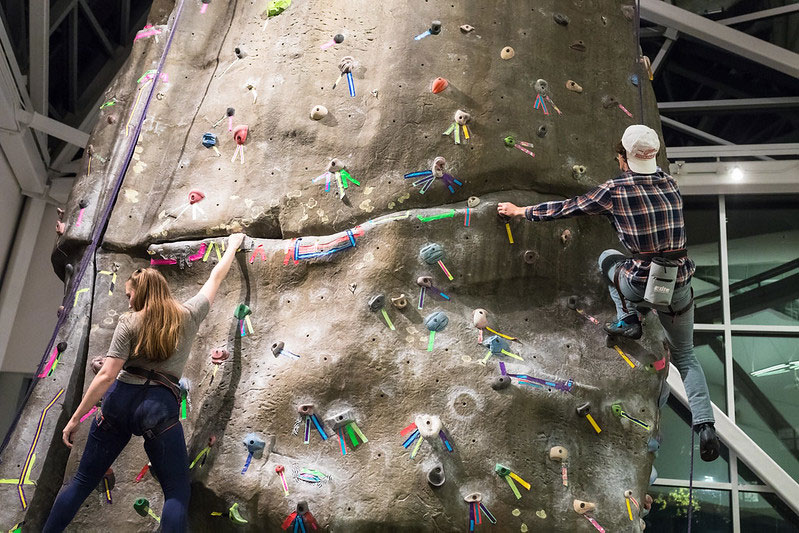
(679, 332)
(131, 410)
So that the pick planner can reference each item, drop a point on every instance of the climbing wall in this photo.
(386, 354)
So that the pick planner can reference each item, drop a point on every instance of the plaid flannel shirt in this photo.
(645, 210)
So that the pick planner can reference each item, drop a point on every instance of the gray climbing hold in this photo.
(530, 256)
(500, 382)
(561, 19)
(578, 45)
(462, 117)
(609, 101)
(572, 302)
(578, 171)
(436, 321)
(466, 28)
(542, 130)
(542, 86)
(255, 444)
(377, 302)
(436, 476)
(431, 253)
(473, 201)
(336, 165)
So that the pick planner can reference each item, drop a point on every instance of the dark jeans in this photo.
(131, 410)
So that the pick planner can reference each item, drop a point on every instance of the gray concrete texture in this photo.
(317, 305)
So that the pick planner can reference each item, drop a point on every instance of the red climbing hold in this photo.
(195, 196)
(439, 84)
(240, 134)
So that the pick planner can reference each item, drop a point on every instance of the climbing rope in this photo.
(99, 230)
(691, 483)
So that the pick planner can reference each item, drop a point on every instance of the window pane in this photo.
(766, 513)
(669, 513)
(763, 255)
(766, 390)
(674, 457)
(702, 231)
(709, 350)
(746, 476)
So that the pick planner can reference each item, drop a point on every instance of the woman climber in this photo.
(646, 210)
(138, 383)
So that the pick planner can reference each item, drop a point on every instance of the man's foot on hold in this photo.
(629, 327)
(709, 445)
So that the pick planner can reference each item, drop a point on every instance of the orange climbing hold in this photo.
(439, 84)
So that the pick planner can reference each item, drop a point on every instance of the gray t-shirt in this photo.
(126, 334)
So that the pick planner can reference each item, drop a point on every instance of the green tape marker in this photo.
(513, 487)
(351, 433)
(359, 432)
(450, 214)
(183, 408)
(431, 341)
(388, 320)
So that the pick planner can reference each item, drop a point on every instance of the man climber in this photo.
(645, 208)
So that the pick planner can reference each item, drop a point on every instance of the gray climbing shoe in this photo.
(623, 328)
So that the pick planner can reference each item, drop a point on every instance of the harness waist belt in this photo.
(670, 254)
(162, 378)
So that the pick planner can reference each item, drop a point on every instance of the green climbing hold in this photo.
(241, 311)
(235, 516)
(502, 470)
(141, 506)
(617, 409)
(509, 140)
(276, 7)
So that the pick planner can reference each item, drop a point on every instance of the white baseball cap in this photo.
(642, 145)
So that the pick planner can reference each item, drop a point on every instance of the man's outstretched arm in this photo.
(594, 202)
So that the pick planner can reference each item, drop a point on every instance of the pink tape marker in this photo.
(80, 217)
(90, 413)
(595, 524)
(625, 111)
(203, 8)
(163, 262)
(49, 363)
(200, 253)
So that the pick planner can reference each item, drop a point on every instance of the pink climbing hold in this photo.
(240, 134)
(200, 253)
(195, 196)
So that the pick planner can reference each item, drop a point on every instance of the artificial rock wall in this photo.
(315, 261)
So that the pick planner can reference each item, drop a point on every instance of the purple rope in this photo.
(691, 483)
(99, 230)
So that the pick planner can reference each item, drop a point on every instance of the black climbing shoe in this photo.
(623, 328)
(709, 444)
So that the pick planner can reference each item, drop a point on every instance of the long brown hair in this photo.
(162, 315)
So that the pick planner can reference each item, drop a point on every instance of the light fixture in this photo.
(737, 174)
(776, 369)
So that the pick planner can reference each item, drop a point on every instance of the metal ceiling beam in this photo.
(758, 15)
(671, 36)
(699, 134)
(734, 150)
(59, 12)
(98, 29)
(39, 54)
(759, 177)
(52, 127)
(719, 35)
(18, 265)
(738, 104)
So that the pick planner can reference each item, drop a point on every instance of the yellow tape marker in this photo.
(624, 356)
(522, 482)
(502, 335)
(465, 132)
(513, 487)
(593, 423)
(629, 511)
(510, 235)
(78, 294)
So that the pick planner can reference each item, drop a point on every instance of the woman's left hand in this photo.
(69, 430)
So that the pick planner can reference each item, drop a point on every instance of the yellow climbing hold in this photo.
(541, 514)
(516, 512)
(523, 529)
